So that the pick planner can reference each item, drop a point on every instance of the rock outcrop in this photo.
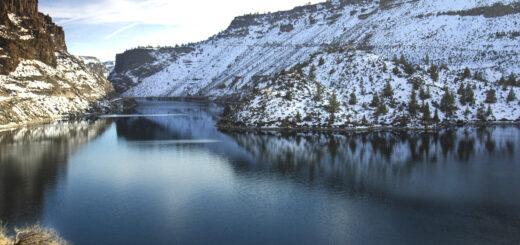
(39, 80)
(27, 34)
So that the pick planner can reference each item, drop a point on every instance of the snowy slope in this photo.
(36, 92)
(481, 35)
(365, 76)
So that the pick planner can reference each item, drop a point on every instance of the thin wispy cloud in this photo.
(124, 28)
(149, 22)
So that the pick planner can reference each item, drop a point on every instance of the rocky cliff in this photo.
(39, 79)
(27, 34)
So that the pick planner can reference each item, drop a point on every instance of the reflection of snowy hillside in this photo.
(394, 163)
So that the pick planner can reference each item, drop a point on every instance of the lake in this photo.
(166, 175)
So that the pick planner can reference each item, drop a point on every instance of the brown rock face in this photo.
(27, 34)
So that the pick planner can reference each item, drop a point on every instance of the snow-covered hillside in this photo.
(481, 35)
(37, 92)
(365, 90)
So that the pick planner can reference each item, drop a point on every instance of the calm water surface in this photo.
(167, 176)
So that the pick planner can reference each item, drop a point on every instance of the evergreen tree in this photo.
(489, 112)
(395, 70)
(467, 111)
(447, 104)
(388, 91)
(319, 92)
(511, 81)
(364, 121)
(321, 61)
(385, 68)
(481, 113)
(423, 95)
(332, 119)
(491, 96)
(402, 60)
(511, 96)
(427, 59)
(470, 95)
(467, 73)
(380, 110)
(312, 72)
(461, 90)
(333, 106)
(288, 95)
(375, 100)
(298, 117)
(434, 74)
(413, 106)
(353, 99)
(426, 113)
(436, 117)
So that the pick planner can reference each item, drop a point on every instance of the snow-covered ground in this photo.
(37, 92)
(231, 62)
(294, 100)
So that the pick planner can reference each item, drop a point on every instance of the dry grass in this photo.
(31, 235)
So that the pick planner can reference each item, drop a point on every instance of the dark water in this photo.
(175, 179)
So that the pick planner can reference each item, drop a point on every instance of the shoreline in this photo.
(228, 128)
(117, 105)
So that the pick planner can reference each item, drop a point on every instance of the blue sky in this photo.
(103, 28)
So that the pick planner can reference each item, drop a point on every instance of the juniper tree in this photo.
(413, 106)
(470, 95)
(395, 70)
(447, 104)
(364, 121)
(333, 106)
(319, 92)
(436, 117)
(388, 91)
(375, 100)
(353, 99)
(434, 74)
(491, 96)
(489, 111)
(312, 72)
(511, 81)
(481, 113)
(288, 95)
(426, 113)
(380, 110)
(423, 95)
(467, 73)
(511, 96)
(321, 61)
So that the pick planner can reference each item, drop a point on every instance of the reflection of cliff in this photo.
(188, 121)
(452, 163)
(33, 160)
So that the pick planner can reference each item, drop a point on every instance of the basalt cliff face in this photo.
(39, 80)
(27, 34)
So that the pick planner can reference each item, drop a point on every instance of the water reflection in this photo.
(33, 160)
(461, 165)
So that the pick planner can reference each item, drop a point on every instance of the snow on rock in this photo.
(37, 92)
